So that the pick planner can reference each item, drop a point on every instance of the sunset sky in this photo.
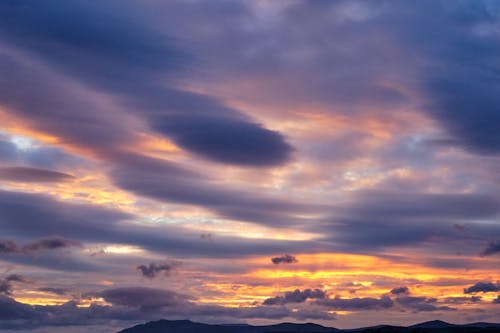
(256, 162)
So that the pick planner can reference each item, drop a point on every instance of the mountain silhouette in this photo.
(187, 326)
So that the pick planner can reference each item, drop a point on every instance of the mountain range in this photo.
(187, 326)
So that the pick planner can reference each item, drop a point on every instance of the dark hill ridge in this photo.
(433, 324)
(187, 326)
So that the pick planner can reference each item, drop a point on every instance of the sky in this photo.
(251, 162)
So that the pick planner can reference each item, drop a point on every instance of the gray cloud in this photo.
(28, 174)
(492, 248)
(461, 300)
(296, 296)
(483, 287)
(51, 243)
(153, 269)
(56, 291)
(284, 259)
(412, 218)
(400, 290)
(356, 304)
(144, 298)
(422, 304)
(6, 283)
(12, 310)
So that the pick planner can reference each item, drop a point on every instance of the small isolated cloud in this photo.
(482, 287)
(492, 248)
(400, 290)
(6, 283)
(284, 259)
(154, 269)
(11, 247)
(296, 296)
(207, 237)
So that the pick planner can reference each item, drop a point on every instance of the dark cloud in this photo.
(460, 79)
(284, 259)
(492, 248)
(296, 296)
(356, 304)
(49, 244)
(8, 246)
(422, 304)
(230, 141)
(27, 174)
(123, 57)
(52, 243)
(155, 268)
(424, 206)
(12, 310)
(496, 300)
(144, 298)
(6, 285)
(400, 290)
(55, 291)
(461, 300)
(97, 45)
(483, 287)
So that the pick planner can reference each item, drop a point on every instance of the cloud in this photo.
(144, 298)
(366, 303)
(128, 304)
(12, 310)
(296, 296)
(52, 243)
(461, 300)
(125, 58)
(8, 246)
(400, 290)
(153, 269)
(165, 181)
(412, 218)
(284, 259)
(422, 304)
(92, 45)
(95, 224)
(496, 300)
(27, 174)
(483, 287)
(492, 248)
(49, 244)
(55, 291)
(227, 140)
(6, 283)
